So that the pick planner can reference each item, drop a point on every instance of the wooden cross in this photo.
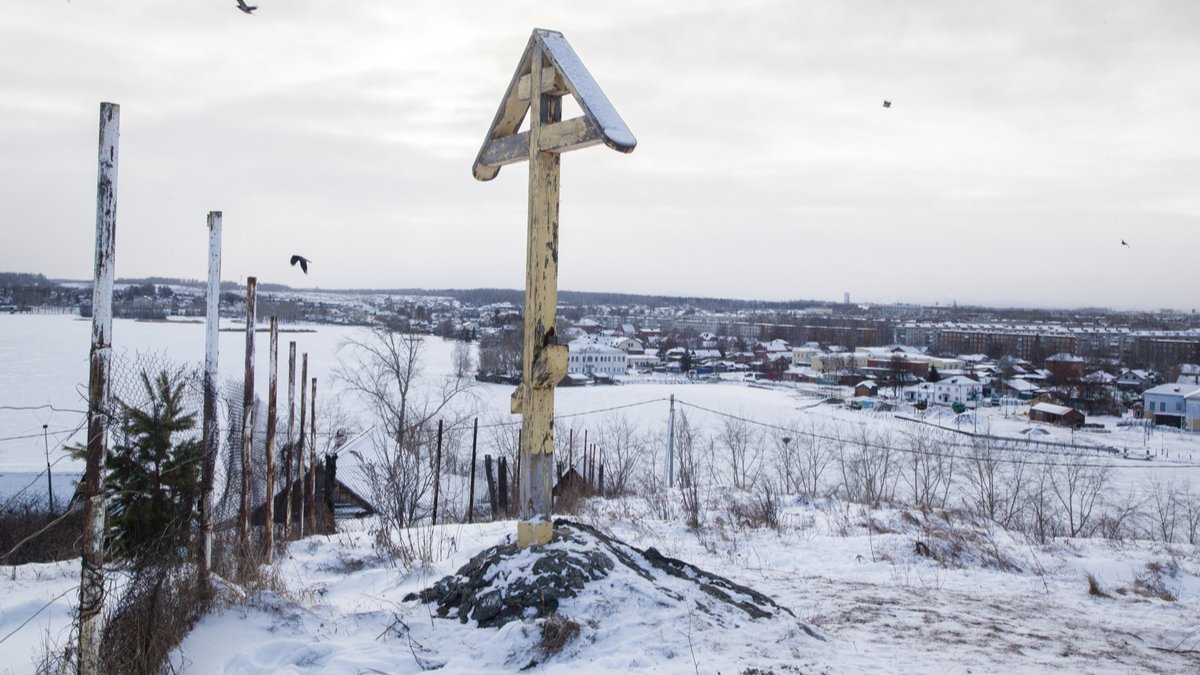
(549, 69)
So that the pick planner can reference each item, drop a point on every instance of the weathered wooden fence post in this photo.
(312, 459)
(91, 580)
(302, 442)
(247, 424)
(548, 70)
(471, 489)
(291, 439)
(437, 474)
(502, 483)
(211, 431)
(491, 485)
(269, 501)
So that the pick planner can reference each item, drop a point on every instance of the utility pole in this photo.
(49, 474)
(211, 431)
(548, 70)
(91, 581)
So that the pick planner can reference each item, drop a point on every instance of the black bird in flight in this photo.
(249, 9)
(1125, 243)
(303, 262)
(886, 104)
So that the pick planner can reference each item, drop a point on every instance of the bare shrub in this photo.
(557, 631)
(803, 458)
(624, 447)
(929, 468)
(1156, 581)
(29, 532)
(996, 476)
(157, 609)
(1041, 518)
(866, 464)
(757, 509)
(1094, 587)
(689, 467)
(55, 658)
(1077, 483)
(1166, 511)
(740, 445)
(1191, 514)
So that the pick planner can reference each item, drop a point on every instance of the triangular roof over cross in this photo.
(564, 74)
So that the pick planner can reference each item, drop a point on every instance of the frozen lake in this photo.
(45, 363)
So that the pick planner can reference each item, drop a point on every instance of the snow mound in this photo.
(583, 567)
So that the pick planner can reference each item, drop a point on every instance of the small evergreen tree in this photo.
(685, 361)
(154, 474)
(933, 374)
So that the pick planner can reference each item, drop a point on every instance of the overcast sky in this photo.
(1025, 141)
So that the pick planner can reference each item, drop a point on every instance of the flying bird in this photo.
(249, 9)
(1125, 243)
(303, 262)
(887, 104)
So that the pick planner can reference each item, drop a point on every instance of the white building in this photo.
(588, 358)
(957, 389)
(1173, 404)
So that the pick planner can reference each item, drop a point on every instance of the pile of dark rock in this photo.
(506, 583)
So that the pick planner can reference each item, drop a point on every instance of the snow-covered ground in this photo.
(879, 605)
(987, 600)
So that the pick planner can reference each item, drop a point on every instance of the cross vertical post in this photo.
(549, 69)
(539, 353)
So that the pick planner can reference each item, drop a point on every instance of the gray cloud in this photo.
(1025, 141)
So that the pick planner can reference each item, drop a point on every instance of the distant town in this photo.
(1068, 363)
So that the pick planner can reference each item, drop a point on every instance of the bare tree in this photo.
(743, 452)
(385, 369)
(463, 359)
(1191, 514)
(866, 463)
(803, 455)
(930, 468)
(1040, 520)
(689, 467)
(1166, 510)
(1077, 486)
(500, 352)
(624, 447)
(995, 477)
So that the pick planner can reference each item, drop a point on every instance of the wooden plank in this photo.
(596, 106)
(550, 85)
(508, 117)
(559, 137)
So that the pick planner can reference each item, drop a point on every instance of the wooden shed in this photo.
(1060, 415)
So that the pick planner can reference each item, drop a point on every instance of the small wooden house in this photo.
(1059, 415)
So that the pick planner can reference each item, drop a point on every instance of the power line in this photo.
(41, 473)
(929, 453)
(56, 432)
(584, 413)
(42, 407)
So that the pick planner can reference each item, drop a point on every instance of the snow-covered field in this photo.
(984, 600)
